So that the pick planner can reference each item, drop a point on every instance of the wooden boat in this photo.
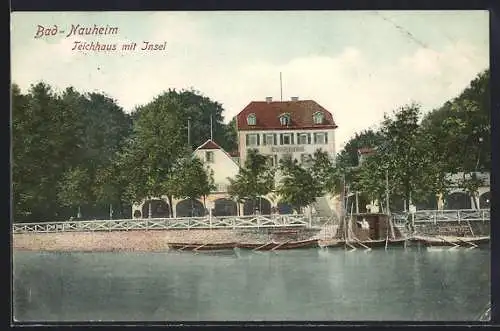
(466, 242)
(202, 247)
(270, 246)
(382, 243)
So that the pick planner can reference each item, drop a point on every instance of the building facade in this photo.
(276, 129)
(295, 128)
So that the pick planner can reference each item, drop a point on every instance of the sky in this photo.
(359, 65)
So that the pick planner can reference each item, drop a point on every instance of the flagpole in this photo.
(281, 88)
(211, 129)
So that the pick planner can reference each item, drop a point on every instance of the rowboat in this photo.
(202, 247)
(382, 243)
(271, 246)
(453, 242)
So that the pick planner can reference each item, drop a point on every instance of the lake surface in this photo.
(334, 285)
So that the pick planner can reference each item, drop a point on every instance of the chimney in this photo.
(269, 99)
(295, 98)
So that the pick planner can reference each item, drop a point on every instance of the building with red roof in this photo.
(278, 128)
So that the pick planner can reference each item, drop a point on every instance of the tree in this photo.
(200, 111)
(191, 180)
(74, 188)
(297, 186)
(253, 180)
(349, 156)
(462, 128)
(54, 133)
(408, 157)
(230, 141)
(45, 145)
(471, 185)
(371, 178)
(324, 173)
(152, 152)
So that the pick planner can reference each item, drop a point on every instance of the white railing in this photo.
(183, 223)
(435, 216)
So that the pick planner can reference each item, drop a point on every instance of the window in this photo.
(286, 139)
(251, 119)
(320, 138)
(303, 139)
(209, 157)
(252, 139)
(269, 139)
(318, 118)
(285, 119)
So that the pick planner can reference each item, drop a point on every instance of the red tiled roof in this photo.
(301, 115)
(209, 144)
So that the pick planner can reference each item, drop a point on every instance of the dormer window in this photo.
(285, 119)
(251, 119)
(318, 118)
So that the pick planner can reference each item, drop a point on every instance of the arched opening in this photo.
(137, 214)
(189, 208)
(285, 208)
(458, 200)
(159, 209)
(429, 203)
(485, 200)
(225, 207)
(261, 206)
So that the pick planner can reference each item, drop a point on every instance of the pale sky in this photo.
(356, 64)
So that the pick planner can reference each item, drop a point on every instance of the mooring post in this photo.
(210, 218)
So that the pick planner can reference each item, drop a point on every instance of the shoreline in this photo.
(134, 240)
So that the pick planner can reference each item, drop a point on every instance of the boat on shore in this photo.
(271, 246)
(199, 247)
(452, 242)
(351, 244)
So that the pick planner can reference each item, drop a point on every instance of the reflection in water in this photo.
(273, 286)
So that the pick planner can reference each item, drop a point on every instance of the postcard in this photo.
(273, 166)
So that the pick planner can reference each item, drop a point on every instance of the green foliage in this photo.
(156, 144)
(297, 186)
(254, 179)
(72, 149)
(54, 134)
(324, 173)
(471, 183)
(192, 105)
(46, 141)
(230, 141)
(74, 187)
(191, 179)
(349, 157)
(419, 154)
(461, 128)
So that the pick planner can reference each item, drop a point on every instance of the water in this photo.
(398, 285)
